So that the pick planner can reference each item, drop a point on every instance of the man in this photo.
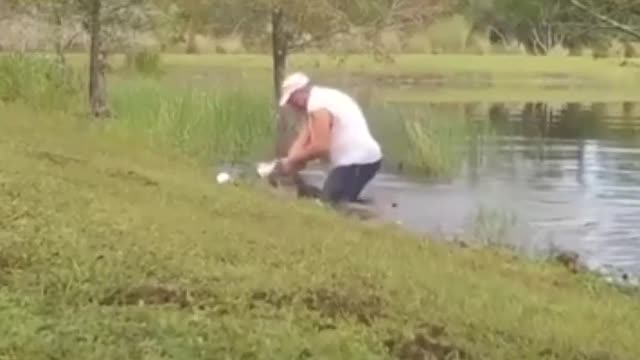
(335, 130)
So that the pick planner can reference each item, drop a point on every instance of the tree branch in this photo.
(617, 25)
(314, 39)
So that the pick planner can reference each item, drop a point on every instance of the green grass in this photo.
(418, 63)
(110, 249)
(38, 81)
(494, 69)
(450, 69)
(208, 124)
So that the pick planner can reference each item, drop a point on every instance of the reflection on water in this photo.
(569, 173)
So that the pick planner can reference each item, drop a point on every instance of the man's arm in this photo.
(319, 140)
(302, 140)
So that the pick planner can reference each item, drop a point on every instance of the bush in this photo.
(39, 81)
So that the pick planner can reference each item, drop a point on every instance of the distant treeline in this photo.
(539, 27)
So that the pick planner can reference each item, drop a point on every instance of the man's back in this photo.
(352, 142)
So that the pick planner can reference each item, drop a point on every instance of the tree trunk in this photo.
(279, 44)
(97, 64)
(192, 47)
(59, 38)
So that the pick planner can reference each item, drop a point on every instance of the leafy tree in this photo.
(298, 24)
(543, 24)
(618, 15)
(538, 24)
(110, 24)
(193, 16)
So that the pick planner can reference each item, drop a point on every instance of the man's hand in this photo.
(285, 166)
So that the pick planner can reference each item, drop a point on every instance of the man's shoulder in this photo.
(327, 91)
(324, 96)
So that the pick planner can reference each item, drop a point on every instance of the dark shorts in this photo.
(345, 183)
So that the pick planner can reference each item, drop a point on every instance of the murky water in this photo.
(568, 175)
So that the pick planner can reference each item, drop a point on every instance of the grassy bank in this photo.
(109, 249)
(420, 68)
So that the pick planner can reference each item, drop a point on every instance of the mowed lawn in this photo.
(496, 69)
(109, 250)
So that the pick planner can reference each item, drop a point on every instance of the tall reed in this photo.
(41, 82)
(437, 141)
(220, 124)
(228, 124)
(427, 143)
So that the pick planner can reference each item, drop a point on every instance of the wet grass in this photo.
(111, 249)
(436, 145)
(429, 142)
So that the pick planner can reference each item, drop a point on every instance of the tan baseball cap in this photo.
(292, 83)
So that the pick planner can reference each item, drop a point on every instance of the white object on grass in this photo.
(223, 177)
(265, 168)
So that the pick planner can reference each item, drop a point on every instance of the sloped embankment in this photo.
(108, 250)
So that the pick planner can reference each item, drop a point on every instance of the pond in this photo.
(553, 175)
(562, 176)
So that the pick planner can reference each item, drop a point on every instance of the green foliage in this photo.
(538, 24)
(449, 35)
(208, 124)
(145, 61)
(39, 81)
